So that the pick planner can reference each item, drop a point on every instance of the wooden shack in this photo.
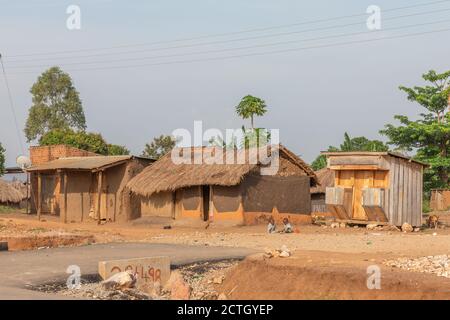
(227, 193)
(375, 187)
(440, 200)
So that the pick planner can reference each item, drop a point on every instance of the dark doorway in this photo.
(205, 196)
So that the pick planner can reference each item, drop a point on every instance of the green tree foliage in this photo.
(320, 161)
(117, 150)
(350, 144)
(89, 141)
(251, 106)
(429, 136)
(2, 160)
(56, 105)
(159, 146)
(361, 144)
(256, 137)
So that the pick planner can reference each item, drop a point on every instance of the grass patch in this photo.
(8, 209)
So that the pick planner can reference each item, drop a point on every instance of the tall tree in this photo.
(56, 105)
(251, 106)
(89, 141)
(117, 150)
(2, 160)
(350, 144)
(361, 144)
(429, 136)
(159, 146)
(257, 137)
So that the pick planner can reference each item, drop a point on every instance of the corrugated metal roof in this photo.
(80, 163)
(372, 153)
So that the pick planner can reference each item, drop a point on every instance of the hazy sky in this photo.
(313, 95)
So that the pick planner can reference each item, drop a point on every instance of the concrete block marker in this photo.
(149, 270)
(3, 246)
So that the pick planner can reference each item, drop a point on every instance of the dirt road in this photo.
(33, 267)
(315, 238)
(323, 261)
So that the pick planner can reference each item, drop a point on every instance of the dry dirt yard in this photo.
(310, 237)
(326, 263)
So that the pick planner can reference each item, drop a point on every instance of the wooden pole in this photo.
(65, 196)
(174, 203)
(39, 196)
(211, 209)
(99, 194)
(28, 192)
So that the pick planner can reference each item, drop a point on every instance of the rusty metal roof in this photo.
(81, 163)
(372, 153)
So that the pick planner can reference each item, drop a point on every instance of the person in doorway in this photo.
(271, 227)
(287, 226)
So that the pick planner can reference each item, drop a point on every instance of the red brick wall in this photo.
(42, 154)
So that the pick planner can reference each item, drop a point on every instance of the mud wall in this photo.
(122, 204)
(227, 204)
(159, 204)
(78, 196)
(277, 196)
(287, 194)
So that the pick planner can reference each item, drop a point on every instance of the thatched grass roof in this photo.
(326, 179)
(9, 194)
(165, 175)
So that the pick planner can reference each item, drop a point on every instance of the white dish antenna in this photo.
(23, 162)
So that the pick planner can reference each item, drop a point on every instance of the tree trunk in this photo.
(443, 173)
(251, 118)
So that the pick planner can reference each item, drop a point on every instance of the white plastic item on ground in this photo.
(120, 280)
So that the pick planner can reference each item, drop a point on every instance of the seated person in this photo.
(271, 227)
(287, 227)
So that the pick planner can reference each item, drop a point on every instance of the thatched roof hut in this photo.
(165, 175)
(325, 177)
(9, 194)
(240, 188)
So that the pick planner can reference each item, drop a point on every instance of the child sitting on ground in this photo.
(287, 226)
(271, 227)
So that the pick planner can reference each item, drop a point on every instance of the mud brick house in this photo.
(42, 154)
(375, 187)
(440, 200)
(231, 193)
(77, 185)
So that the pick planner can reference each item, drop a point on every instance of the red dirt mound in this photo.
(26, 242)
(278, 278)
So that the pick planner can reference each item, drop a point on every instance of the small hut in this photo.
(325, 177)
(9, 195)
(79, 188)
(375, 187)
(221, 192)
(440, 200)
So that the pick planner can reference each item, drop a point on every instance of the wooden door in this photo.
(363, 179)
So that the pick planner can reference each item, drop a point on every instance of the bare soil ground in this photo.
(326, 263)
(312, 275)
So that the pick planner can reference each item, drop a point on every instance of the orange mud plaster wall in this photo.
(189, 203)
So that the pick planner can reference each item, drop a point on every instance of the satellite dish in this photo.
(23, 162)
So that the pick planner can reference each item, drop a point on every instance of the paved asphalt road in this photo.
(33, 267)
